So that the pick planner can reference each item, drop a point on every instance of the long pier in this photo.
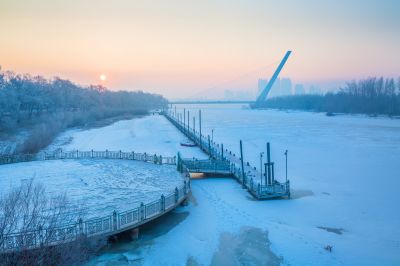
(227, 162)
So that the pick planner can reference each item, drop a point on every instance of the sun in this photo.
(103, 77)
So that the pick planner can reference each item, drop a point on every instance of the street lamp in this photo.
(286, 152)
(261, 161)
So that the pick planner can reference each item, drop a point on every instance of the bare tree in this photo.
(41, 230)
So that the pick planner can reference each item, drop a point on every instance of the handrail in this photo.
(77, 154)
(106, 225)
(214, 150)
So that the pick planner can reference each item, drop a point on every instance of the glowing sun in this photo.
(103, 77)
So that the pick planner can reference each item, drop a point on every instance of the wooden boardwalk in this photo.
(244, 173)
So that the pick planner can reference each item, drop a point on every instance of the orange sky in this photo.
(182, 48)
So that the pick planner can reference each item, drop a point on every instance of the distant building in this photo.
(286, 87)
(299, 89)
(281, 87)
(262, 83)
(276, 89)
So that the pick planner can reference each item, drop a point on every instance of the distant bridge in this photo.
(254, 104)
(210, 102)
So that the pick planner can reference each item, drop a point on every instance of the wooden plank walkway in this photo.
(249, 178)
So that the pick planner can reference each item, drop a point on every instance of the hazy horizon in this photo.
(183, 49)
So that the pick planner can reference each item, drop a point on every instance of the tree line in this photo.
(371, 96)
(43, 107)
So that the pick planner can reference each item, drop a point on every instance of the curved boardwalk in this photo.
(105, 226)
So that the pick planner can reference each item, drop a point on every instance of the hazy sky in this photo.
(184, 48)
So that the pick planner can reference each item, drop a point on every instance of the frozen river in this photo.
(344, 172)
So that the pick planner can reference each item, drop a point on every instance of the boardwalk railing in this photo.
(76, 154)
(207, 166)
(103, 226)
(248, 177)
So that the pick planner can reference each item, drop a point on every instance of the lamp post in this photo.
(286, 152)
(261, 161)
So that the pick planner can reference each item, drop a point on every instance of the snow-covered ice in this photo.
(102, 186)
(97, 186)
(151, 134)
(344, 174)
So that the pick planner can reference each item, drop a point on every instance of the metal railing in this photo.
(76, 154)
(217, 152)
(102, 226)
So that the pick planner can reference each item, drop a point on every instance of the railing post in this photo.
(200, 129)
(40, 235)
(184, 120)
(120, 154)
(241, 159)
(162, 203)
(269, 177)
(142, 211)
(115, 224)
(176, 195)
(77, 154)
(107, 154)
(209, 146)
(161, 162)
(145, 157)
(179, 163)
(188, 123)
(133, 155)
(92, 154)
(80, 226)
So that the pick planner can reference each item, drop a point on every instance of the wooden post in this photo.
(200, 128)
(241, 158)
(273, 173)
(188, 122)
(269, 164)
(209, 146)
(266, 174)
(184, 119)
(272, 178)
